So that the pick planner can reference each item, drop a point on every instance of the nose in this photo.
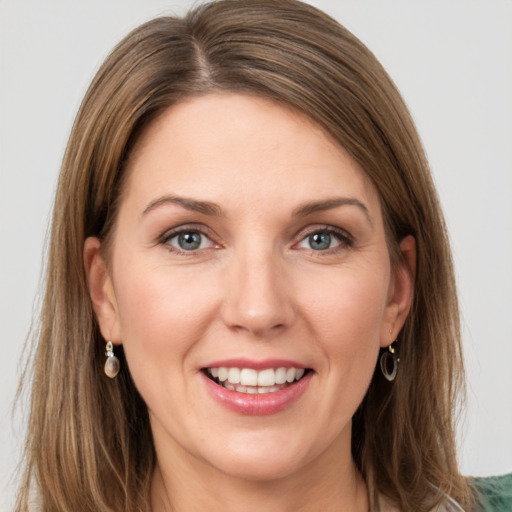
(258, 295)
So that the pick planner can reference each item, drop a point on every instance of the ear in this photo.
(401, 292)
(101, 290)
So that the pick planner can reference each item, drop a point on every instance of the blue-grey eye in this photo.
(189, 240)
(320, 241)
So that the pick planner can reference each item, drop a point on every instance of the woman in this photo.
(250, 297)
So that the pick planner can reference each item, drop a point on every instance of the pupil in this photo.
(320, 241)
(189, 241)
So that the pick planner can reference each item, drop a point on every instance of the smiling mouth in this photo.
(250, 381)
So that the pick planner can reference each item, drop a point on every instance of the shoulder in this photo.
(494, 493)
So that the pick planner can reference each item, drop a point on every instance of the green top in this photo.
(494, 493)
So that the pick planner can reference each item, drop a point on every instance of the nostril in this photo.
(259, 330)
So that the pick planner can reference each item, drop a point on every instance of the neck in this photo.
(330, 483)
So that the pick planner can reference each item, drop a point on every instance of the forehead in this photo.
(232, 142)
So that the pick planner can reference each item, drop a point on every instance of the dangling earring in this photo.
(112, 363)
(389, 363)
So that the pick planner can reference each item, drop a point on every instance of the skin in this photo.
(256, 288)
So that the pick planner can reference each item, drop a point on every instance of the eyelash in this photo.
(345, 239)
(169, 235)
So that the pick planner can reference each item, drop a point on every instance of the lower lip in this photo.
(258, 404)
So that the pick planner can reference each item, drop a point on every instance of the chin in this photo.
(268, 470)
(260, 462)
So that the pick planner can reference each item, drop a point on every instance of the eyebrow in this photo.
(213, 209)
(329, 204)
(204, 207)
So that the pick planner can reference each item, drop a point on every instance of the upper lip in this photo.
(261, 364)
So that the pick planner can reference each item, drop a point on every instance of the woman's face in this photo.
(249, 252)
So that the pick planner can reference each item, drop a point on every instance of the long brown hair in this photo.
(89, 442)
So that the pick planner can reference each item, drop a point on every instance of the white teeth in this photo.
(223, 374)
(252, 390)
(290, 374)
(248, 380)
(266, 377)
(234, 375)
(248, 377)
(280, 375)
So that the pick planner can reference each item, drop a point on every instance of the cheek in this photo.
(346, 315)
(162, 311)
(350, 303)
(163, 315)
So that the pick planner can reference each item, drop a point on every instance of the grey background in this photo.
(452, 60)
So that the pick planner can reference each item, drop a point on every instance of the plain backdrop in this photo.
(452, 60)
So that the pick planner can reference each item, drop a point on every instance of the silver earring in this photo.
(112, 363)
(389, 363)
